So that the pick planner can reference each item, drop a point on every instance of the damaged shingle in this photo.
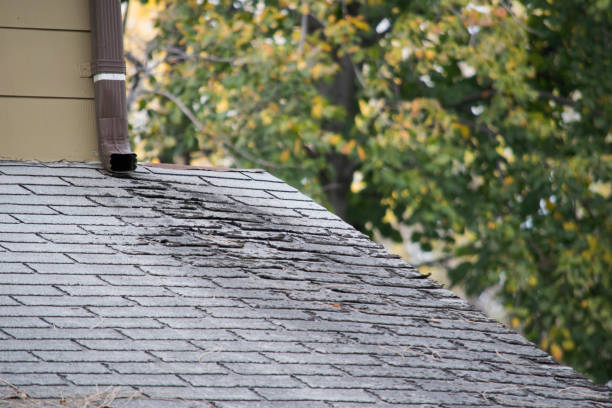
(205, 288)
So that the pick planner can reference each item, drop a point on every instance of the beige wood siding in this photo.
(48, 129)
(44, 63)
(49, 14)
(46, 107)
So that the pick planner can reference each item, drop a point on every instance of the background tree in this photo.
(486, 126)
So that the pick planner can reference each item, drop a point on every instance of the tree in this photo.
(487, 127)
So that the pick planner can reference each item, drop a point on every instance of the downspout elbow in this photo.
(108, 69)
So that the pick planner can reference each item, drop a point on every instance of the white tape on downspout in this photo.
(108, 77)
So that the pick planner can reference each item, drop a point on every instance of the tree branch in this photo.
(186, 111)
(125, 15)
(530, 30)
(545, 263)
(201, 128)
(183, 56)
(357, 72)
(553, 97)
(479, 126)
(443, 261)
(303, 33)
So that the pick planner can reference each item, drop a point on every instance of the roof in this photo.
(204, 288)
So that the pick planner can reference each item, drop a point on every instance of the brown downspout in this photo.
(108, 69)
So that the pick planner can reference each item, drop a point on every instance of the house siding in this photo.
(43, 45)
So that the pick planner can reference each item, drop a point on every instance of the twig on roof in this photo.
(504, 358)
(18, 392)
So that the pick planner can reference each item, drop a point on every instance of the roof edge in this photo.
(173, 166)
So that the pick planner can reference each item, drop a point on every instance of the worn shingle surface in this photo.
(197, 288)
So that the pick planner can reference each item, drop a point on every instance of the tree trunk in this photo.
(337, 179)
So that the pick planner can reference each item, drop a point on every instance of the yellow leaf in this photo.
(362, 25)
(515, 322)
(317, 70)
(266, 118)
(335, 139)
(389, 217)
(592, 241)
(364, 108)
(348, 148)
(544, 343)
(568, 345)
(361, 153)
(297, 148)
(317, 107)
(284, 156)
(533, 281)
(508, 180)
(506, 153)
(430, 54)
(222, 106)
(468, 157)
(464, 131)
(603, 189)
(570, 226)
(415, 107)
(556, 351)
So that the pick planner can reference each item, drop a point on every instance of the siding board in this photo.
(47, 14)
(44, 63)
(47, 129)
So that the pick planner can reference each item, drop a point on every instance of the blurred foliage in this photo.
(486, 125)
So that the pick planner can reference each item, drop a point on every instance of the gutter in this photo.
(108, 70)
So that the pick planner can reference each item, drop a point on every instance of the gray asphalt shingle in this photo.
(207, 288)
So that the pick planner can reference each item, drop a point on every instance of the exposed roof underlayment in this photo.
(202, 288)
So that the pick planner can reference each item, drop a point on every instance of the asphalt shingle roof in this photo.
(201, 288)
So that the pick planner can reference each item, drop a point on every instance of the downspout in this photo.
(108, 69)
